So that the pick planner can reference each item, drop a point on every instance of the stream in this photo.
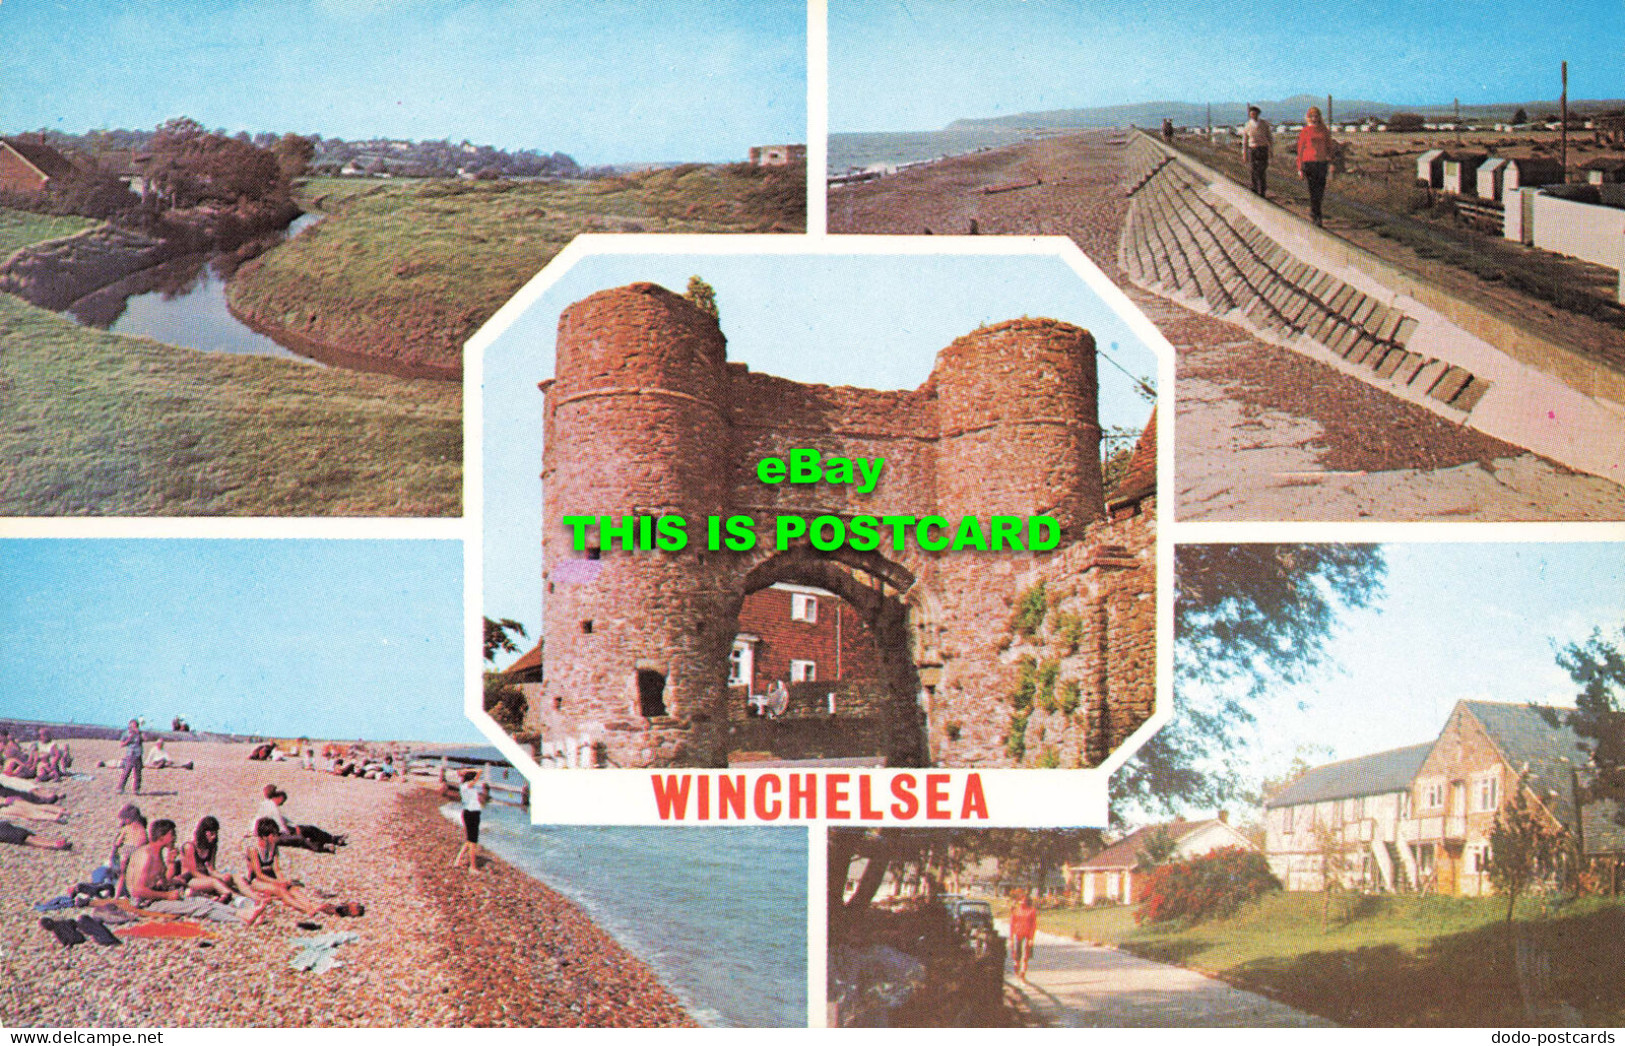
(183, 302)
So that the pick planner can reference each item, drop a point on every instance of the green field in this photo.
(1395, 960)
(21, 228)
(408, 270)
(101, 424)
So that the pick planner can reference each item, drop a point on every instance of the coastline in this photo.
(438, 947)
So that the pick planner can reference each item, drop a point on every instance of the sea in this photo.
(855, 151)
(720, 914)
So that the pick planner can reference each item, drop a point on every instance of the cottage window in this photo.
(1478, 859)
(1286, 821)
(741, 662)
(803, 608)
(803, 671)
(1432, 794)
(651, 693)
(1489, 789)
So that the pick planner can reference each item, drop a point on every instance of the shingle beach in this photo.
(437, 947)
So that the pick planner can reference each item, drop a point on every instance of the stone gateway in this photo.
(982, 658)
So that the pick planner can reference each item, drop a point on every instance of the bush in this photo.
(1211, 886)
(1030, 611)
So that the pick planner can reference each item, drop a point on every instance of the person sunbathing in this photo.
(266, 882)
(151, 885)
(28, 811)
(159, 759)
(197, 864)
(300, 836)
(17, 835)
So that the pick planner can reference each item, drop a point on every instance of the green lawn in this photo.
(21, 228)
(408, 270)
(101, 424)
(1393, 960)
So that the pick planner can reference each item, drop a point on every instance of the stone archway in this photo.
(872, 716)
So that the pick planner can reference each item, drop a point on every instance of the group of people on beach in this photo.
(340, 760)
(187, 880)
(44, 760)
(1316, 152)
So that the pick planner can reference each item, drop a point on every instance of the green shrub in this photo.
(1069, 696)
(1016, 741)
(1030, 611)
(1021, 699)
(1044, 685)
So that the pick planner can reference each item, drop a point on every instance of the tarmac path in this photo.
(1261, 433)
(1075, 985)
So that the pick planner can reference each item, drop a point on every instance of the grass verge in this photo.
(21, 228)
(1397, 961)
(407, 271)
(101, 424)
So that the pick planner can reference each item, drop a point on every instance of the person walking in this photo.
(1316, 148)
(1023, 928)
(1256, 138)
(131, 744)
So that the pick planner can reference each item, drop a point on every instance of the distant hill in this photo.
(1192, 114)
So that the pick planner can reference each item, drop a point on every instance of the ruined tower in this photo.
(647, 418)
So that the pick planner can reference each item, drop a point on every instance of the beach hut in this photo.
(1460, 173)
(1604, 171)
(1525, 171)
(1491, 176)
(1430, 168)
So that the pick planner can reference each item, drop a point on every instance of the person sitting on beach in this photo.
(16, 835)
(473, 798)
(302, 836)
(158, 758)
(265, 879)
(151, 885)
(197, 864)
(132, 836)
(53, 756)
(23, 765)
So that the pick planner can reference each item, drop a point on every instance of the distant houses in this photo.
(1117, 874)
(777, 155)
(31, 167)
(1420, 817)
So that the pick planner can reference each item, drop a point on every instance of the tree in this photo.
(1332, 860)
(190, 165)
(1521, 116)
(702, 295)
(293, 155)
(499, 637)
(1247, 619)
(1523, 848)
(1159, 849)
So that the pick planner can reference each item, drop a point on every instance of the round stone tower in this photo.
(635, 426)
(1019, 411)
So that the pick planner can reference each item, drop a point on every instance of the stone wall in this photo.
(647, 417)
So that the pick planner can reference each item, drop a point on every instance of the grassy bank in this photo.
(1396, 960)
(21, 228)
(101, 424)
(407, 271)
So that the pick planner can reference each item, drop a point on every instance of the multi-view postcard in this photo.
(489, 540)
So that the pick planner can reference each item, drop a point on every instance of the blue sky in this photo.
(1458, 622)
(899, 65)
(872, 321)
(338, 639)
(603, 80)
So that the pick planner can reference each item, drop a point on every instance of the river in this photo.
(186, 306)
(720, 914)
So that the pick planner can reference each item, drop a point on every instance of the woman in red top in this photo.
(1023, 928)
(1315, 151)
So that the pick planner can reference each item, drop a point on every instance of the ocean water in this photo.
(720, 914)
(855, 151)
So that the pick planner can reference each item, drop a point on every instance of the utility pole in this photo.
(1457, 120)
(1210, 121)
(1328, 110)
(1563, 146)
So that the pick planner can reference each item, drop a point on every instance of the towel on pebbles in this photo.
(316, 953)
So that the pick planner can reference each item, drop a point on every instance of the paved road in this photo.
(1074, 985)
